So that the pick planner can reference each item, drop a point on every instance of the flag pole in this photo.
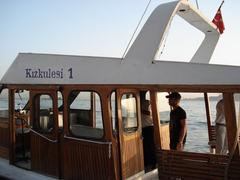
(221, 5)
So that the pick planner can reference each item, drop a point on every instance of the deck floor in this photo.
(153, 175)
(12, 172)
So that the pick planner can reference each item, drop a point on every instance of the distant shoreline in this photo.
(211, 98)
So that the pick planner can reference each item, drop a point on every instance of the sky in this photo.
(104, 28)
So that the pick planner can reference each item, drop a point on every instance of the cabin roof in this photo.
(138, 66)
(62, 69)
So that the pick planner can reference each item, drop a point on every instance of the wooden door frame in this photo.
(12, 128)
(119, 93)
(54, 136)
(231, 123)
(53, 94)
(156, 119)
(105, 96)
(11, 98)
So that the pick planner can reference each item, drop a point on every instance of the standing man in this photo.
(147, 133)
(178, 124)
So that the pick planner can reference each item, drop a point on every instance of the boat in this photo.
(79, 117)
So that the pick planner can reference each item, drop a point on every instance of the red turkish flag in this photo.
(218, 21)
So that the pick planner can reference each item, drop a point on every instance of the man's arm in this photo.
(182, 134)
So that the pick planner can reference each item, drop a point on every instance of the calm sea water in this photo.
(197, 139)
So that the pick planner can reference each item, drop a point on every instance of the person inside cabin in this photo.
(221, 132)
(178, 124)
(147, 133)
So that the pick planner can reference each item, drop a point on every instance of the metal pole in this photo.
(197, 4)
(221, 5)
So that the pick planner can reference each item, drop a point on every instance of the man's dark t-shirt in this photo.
(176, 116)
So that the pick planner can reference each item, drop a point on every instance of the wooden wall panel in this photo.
(233, 172)
(165, 140)
(4, 134)
(4, 152)
(4, 138)
(87, 160)
(188, 165)
(132, 156)
(44, 155)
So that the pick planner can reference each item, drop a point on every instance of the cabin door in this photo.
(87, 154)
(44, 136)
(130, 135)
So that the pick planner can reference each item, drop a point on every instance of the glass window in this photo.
(237, 106)
(22, 113)
(81, 100)
(21, 99)
(114, 111)
(60, 109)
(44, 119)
(163, 107)
(129, 113)
(4, 105)
(85, 114)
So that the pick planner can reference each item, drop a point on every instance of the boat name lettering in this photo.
(47, 74)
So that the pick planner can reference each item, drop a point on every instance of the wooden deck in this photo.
(12, 172)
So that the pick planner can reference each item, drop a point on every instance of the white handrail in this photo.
(53, 141)
(86, 140)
